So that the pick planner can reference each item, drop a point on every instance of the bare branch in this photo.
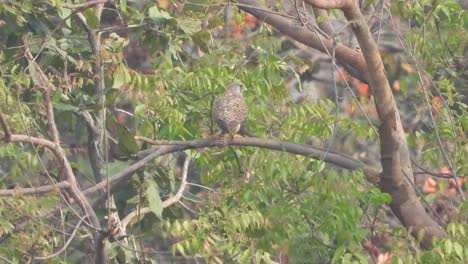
(5, 127)
(344, 54)
(96, 132)
(135, 214)
(331, 4)
(50, 118)
(146, 156)
(36, 190)
(321, 16)
(41, 78)
(86, 4)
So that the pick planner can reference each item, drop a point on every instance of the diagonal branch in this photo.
(397, 174)
(65, 246)
(345, 55)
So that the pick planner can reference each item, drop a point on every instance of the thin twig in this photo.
(86, 4)
(202, 186)
(438, 137)
(170, 201)
(64, 246)
(429, 207)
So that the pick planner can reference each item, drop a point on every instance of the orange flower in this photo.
(342, 75)
(396, 85)
(430, 185)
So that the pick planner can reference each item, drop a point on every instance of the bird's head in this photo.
(236, 88)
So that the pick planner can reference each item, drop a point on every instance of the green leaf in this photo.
(65, 13)
(192, 197)
(156, 14)
(127, 142)
(189, 26)
(155, 202)
(114, 167)
(201, 38)
(91, 18)
(121, 77)
(214, 22)
(458, 249)
(448, 246)
(338, 254)
(347, 258)
(64, 107)
(123, 5)
(258, 256)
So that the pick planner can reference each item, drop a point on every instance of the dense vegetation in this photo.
(94, 92)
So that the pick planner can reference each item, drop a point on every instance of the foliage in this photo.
(167, 65)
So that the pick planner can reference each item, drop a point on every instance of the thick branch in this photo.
(338, 159)
(290, 28)
(397, 174)
(321, 16)
(35, 190)
(331, 4)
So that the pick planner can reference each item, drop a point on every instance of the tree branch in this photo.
(96, 131)
(35, 190)
(5, 127)
(338, 159)
(397, 174)
(344, 54)
(331, 4)
(86, 4)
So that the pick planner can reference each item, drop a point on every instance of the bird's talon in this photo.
(223, 140)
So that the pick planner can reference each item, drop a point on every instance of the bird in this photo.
(230, 111)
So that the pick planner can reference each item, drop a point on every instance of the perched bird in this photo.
(229, 111)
